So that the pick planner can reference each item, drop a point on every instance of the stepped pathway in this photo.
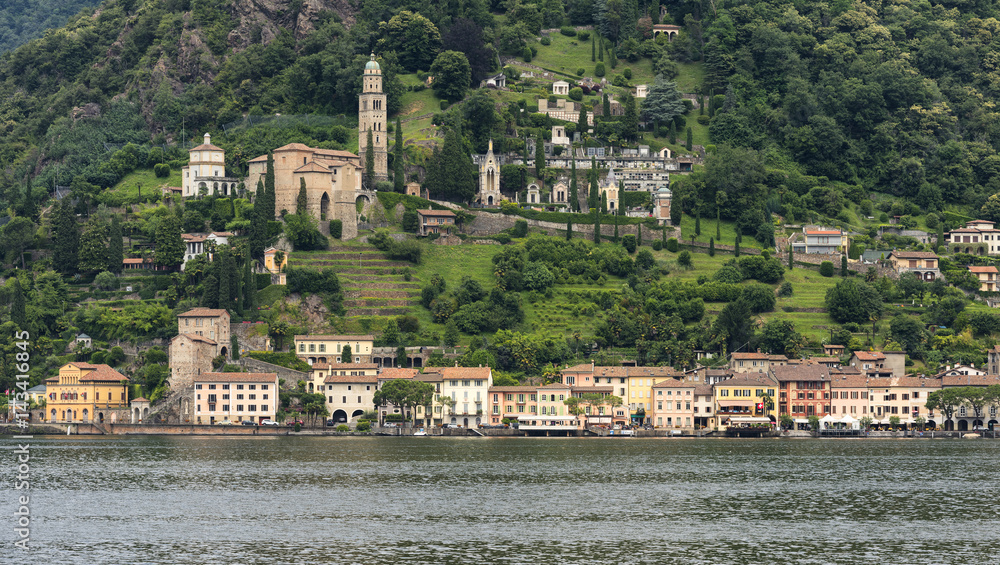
(372, 284)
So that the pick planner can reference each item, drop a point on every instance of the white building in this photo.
(467, 387)
(196, 243)
(560, 88)
(206, 172)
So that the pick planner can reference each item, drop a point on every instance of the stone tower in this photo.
(372, 117)
(489, 180)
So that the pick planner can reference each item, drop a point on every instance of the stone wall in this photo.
(247, 342)
(290, 376)
(491, 224)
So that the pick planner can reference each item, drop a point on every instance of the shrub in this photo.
(580, 72)
(599, 70)
(364, 426)
(826, 269)
(526, 55)
(583, 35)
(106, 281)
(627, 72)
(786, 289)
(672, 245)
(657, 245)
(569, 31)
(628, 242)
(520, 228)
(161, 170)
(545, 40)
(503, 238)
(336, 228)
(444, 104)
(684, 259)
(576, 93)
(342, 428)
(703, 119)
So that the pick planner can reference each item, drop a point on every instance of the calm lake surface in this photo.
(511, 500)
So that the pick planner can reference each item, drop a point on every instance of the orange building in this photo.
(86, 393)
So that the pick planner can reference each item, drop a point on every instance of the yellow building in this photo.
(86, 393)
(274, 266)
(745, 399)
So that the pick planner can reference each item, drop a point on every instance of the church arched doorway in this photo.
(324, 205)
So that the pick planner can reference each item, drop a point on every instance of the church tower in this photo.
(372, 117)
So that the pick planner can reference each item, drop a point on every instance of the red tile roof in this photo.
(813, 373)
(437, 213)
(345, 366)
(970, 380)
(914, 254)
(983, 269)
(351, 379)
(393, 373)
(824, 232)
(334, 338)
(99, 373)
(869, 355)
(481, 373)
(513, 389)
(761, 356)
(196, 337)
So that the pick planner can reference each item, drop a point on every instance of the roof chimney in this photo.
(208, 139)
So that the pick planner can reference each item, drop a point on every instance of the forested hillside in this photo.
(24, 20)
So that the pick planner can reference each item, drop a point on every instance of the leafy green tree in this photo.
(452, 75)
(17, 311)
(851, 300)
(16, 236)
(301, 202)
(390, 333)
(684, 259)
(414, 39)
(734, 325)
(908, 332)
(116, 248)
(451, 335)
(399, 170)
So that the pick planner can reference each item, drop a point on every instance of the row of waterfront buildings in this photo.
(753, 388)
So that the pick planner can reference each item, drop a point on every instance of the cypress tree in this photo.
(638, 235)
(65, 238)
(663, 236)
(399, 170)
(226, 280)
(300, 202)
(711, 247)
(239, 286)
(940, 237)
(269, 201)
(718, 223)
(791, 258)
(370, 161)
(17, 314)
(616, 228)
(614, 58)
(574, 198)
(116, 249)
(210, 299)
(569, 229)
(597, 226)
(600, 48)
(606, 107)
(593, 47)
(582, 124)
(539, 155)
(673, 133)
(736, 249)
(843, 265)
(250, 291)
(697, 222)
(689, 143)
(258, 233)
(604, 202)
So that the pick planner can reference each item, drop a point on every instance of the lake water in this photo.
(110, 500)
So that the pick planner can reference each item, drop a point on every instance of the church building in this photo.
(489, 180)
(206, 172)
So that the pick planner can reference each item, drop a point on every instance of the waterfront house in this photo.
(327, 348)
(849, 395)
(704, 405)
(348, 396)
(235, 397)
(756, 362)
(509, 402)
(392, 374)
(966, 417)
(804, 390)
(745, 399)
(87, 393)
(902, 397)
(468, 388)
(672, 404)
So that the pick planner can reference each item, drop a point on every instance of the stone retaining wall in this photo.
(290, 376)
(492, 224)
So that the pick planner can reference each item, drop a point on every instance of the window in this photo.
(239, 397)
(264, 396)
(197, 387)
(211, 387)
(252, 387)
(239, 387)
(252, 408)
(302, 348)
(239, 407)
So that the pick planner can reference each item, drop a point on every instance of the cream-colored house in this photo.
(989, 277)
(924, 264)
(673, 404)
(349, 396)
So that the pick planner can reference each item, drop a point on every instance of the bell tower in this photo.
(372, 117)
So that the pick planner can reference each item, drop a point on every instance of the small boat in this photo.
(420, 432)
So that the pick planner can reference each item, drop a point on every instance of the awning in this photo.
(737, 403)
(801, 420)
(548, 418)
(749, 420)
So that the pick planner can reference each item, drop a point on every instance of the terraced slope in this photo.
(372, 284)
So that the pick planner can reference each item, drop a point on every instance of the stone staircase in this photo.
(171, 402)
(372, 284)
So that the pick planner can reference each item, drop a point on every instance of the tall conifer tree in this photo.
(301, 201)
(574, 198)
(269, 201)
(370, 162)
(539, 155)
(116, 248)
(65, 238)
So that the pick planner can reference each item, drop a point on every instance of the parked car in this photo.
(248, 423)
(268, 422)
(224, 423)
(452, 426)
(293, 422)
